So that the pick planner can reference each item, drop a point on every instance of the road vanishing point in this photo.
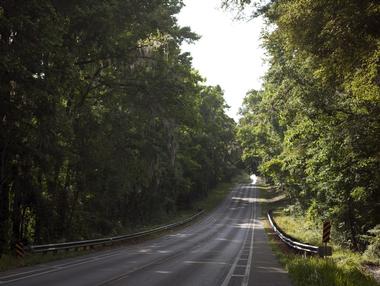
(227, 247)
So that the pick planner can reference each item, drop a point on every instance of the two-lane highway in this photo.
(227, 247)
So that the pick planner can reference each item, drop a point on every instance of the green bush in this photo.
(372, 252)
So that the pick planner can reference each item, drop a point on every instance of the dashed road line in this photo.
(250, 257)
(241, 258)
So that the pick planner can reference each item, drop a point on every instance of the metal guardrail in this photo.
(44, 248)
(290, 241)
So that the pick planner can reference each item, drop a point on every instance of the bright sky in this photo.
(229, 52)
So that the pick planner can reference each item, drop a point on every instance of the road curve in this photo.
(228, 247)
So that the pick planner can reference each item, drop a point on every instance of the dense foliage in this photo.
(315, 126)
(104, 123)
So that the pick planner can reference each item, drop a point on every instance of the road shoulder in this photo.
(266, 269)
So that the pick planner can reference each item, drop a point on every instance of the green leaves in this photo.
(104, 122)
(320, 110)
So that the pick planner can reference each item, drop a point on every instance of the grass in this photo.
(214, 198)
(344, 268)
(317, 271)
(299, 228)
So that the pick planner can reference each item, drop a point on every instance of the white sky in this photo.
(229, 52)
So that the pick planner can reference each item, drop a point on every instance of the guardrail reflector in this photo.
(326, 232)
(20, 252)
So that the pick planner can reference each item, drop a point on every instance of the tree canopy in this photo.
(315, 126)
(104, 122)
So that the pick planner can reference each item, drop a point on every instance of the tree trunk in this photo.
(4, 204)
(4, 217)
(351, 225)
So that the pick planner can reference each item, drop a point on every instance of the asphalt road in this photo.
(227, 247)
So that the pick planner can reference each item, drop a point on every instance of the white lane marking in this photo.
(21, 273)
(59, 267)
(250, 257)
(53, 268)
(44, 267)
(237, 259)
(244, 248)
(32, 275)
(164, 251)
(238, 275)
(205, 262)
(163, 272)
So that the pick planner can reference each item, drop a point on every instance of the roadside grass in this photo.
(343, 268)
(321, 272)
(214, 198)
(299, 228)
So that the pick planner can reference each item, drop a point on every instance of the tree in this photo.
(323, 88)
(104, 123)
